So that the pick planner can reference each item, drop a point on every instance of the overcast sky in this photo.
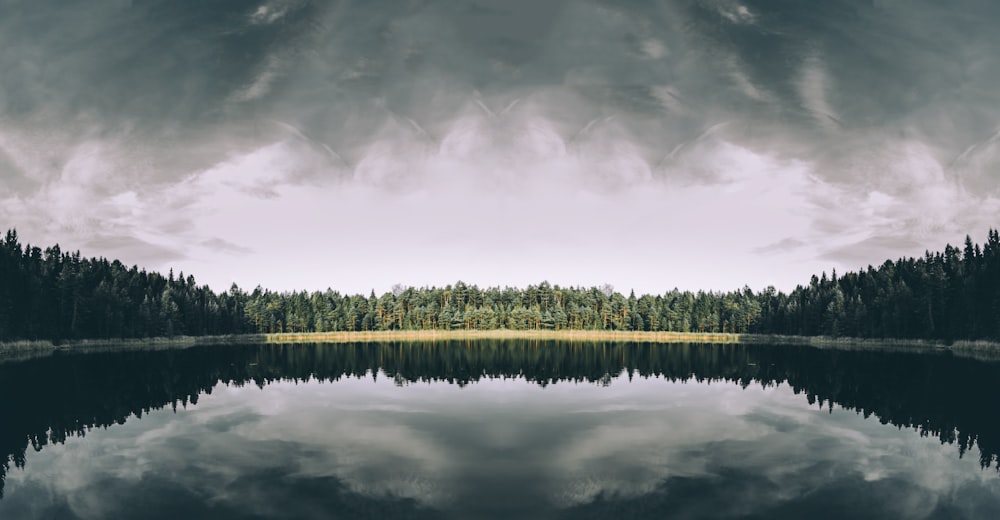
(687, 143)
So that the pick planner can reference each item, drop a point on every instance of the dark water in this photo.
(500, 430)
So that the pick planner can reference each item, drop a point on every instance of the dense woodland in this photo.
(52, 294)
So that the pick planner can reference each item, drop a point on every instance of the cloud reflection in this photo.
(502, 447)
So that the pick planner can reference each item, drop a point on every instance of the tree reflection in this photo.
(49, 399)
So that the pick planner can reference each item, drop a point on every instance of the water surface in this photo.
(500, 430)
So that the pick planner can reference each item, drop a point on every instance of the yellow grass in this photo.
(445, 335)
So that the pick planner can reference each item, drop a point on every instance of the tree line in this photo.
(52, 294)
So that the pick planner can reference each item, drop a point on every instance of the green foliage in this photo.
(55, 295)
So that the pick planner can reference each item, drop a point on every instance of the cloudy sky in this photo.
(354, 145)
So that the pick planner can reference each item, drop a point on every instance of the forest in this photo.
(55, 295)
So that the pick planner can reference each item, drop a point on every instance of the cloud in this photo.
(116, 115)
(226, 246)
(272, 11)
(813, 88)
(781, 246)
(260, 85)
(134, 249)
(735, 12)
(654, 49)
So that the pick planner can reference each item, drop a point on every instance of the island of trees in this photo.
(55, 295)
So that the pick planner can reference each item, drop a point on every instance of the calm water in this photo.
(500, 430)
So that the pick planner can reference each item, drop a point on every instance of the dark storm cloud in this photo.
(333, 69)
(822, 76)
(151, 78)
(158, 62)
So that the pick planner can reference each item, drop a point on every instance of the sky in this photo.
(697, 144)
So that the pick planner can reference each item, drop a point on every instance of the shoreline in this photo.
(28, 349)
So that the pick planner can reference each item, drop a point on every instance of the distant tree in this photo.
(54, 294)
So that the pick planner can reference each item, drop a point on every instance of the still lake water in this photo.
(490, 429)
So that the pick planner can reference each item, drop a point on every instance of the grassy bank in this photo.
(976, 349)
(542, 335)
(29, 349)
(21, 350)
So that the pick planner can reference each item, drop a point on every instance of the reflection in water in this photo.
(608, 447)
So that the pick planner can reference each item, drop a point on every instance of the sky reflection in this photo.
(500, 448)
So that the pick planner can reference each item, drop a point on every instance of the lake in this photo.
(500, 429)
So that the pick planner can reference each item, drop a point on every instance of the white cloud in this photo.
(902, 203)
(813, 86)
(744, 84)
(262, 82)
(270, 12)
(654, 49)
(736, 12)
